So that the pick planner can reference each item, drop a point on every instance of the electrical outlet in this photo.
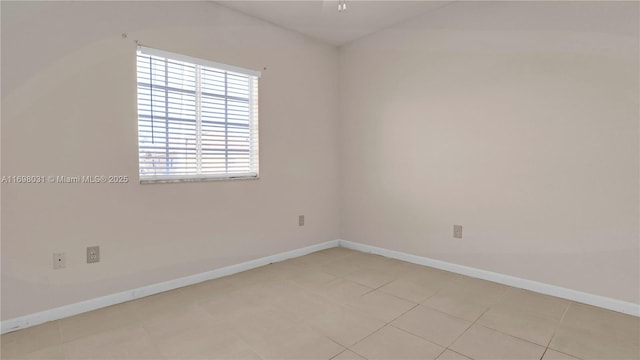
(93, 254)
(59, 261)
(300, 220)
(457, 231)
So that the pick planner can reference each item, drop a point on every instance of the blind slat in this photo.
(195, 120)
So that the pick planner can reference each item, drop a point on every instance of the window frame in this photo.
(253, 124)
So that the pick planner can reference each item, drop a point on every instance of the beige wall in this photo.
(518, 121)
(69, 108)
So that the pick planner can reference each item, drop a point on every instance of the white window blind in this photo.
(196, 119)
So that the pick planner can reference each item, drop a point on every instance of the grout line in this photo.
(532, 314)
(510, 335)
(457, 352)
(330, 339)
(556, 329)
(544, 352)
(450, 315)
(397, 317)
(394, 295)
(465, 331)
(366, 337)
(500, 331)
(338, 354)
(387, 283)
(374, 289)
(444, 348)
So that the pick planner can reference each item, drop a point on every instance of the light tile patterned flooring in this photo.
(337, 304)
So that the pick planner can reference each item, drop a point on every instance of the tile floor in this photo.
(337, 304)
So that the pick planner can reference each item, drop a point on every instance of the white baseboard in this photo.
(108, 300)
(547, 289)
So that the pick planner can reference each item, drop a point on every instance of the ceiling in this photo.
(320, 19)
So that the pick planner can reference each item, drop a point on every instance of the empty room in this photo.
(321, 179)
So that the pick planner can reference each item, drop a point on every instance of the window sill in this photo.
(196, 179)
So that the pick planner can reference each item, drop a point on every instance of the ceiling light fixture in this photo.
(342, 5)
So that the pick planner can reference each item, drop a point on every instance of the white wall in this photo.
(69, 108)
(518, 120)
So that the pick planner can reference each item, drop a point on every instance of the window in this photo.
(196, 119)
